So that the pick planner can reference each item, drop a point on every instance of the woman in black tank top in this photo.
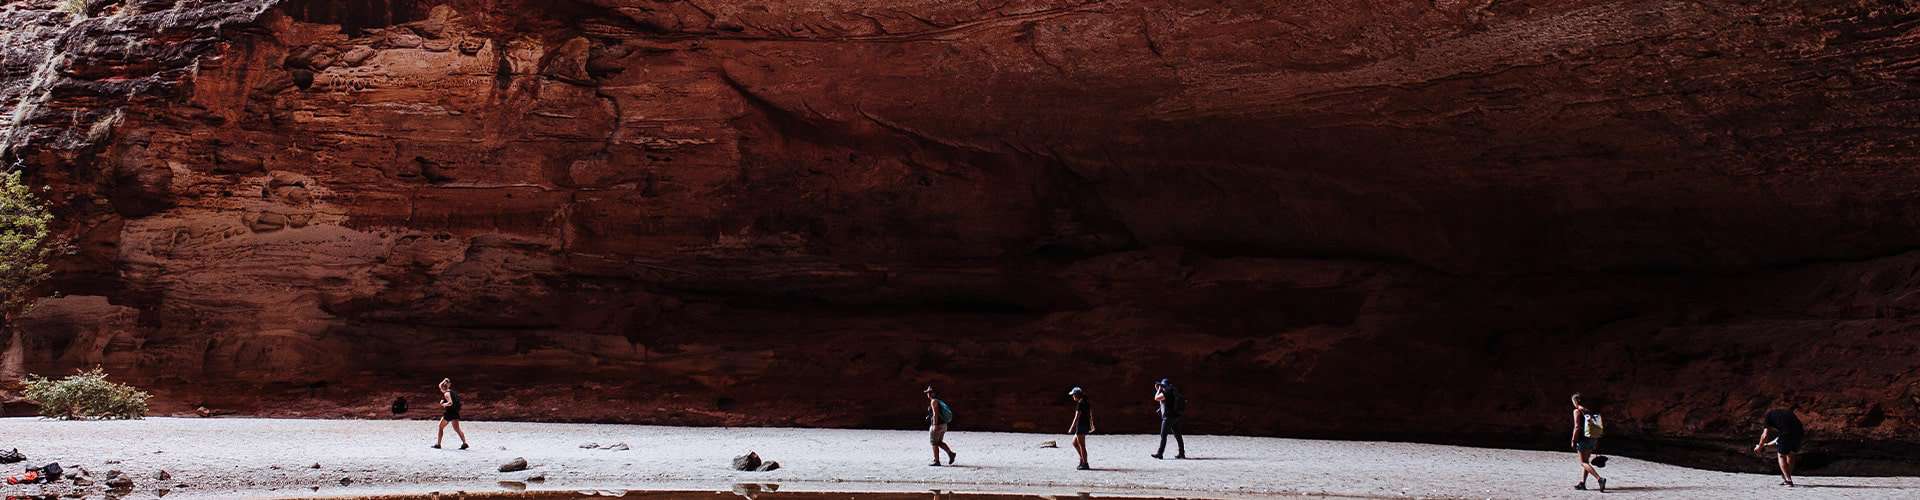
(449, 414)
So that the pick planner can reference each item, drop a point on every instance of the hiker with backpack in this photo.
(1173, 405)
(449, 414)
(1788, 434)
(1588, 427)
(939, 415)
(1082, 424)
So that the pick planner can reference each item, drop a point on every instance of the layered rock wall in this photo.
(1418, 220)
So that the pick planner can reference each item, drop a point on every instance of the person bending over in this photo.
(1788, 435)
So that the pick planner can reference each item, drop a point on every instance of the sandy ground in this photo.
(261, 458)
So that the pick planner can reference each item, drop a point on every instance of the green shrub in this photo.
(25, 245)
(87, 395)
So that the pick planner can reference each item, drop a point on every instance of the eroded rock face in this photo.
(1425, 220)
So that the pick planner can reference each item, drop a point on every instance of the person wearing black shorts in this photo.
(449, 414)
(1788, 436)
(1584, 445)
(1082, 424)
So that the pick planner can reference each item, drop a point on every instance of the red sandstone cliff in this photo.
(1426, 220)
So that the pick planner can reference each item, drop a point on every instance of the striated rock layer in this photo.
(1381, 219)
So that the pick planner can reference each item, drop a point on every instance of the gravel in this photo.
(267, 458)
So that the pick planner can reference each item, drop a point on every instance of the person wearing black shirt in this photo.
(1172, 406)
(1082, 424)
(449, 414)
(1788, 436)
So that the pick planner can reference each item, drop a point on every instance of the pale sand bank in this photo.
(268, 458)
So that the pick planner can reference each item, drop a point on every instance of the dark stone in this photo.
(747, 462)
(769, 466)
(515, 465)
(303, 79)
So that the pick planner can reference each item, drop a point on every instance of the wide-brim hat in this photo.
(1075, 392)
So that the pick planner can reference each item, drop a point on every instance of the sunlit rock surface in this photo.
(1412, 220)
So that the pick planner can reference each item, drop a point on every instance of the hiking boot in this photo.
(1181, 456)
(1084, 467)
(1156, 456)
(435, 447)
(951, 456)
(1582, 486)
(463, 446)
(1603, 485)
(935, 464)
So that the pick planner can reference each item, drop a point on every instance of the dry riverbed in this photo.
(271, 458)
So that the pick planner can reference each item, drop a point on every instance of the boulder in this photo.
(161, 475)
(747, 462)
(515, 465)
(400, 40)
(357, 55)
(769, 466)
(471, 46)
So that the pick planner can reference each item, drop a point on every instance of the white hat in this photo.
(1075, 392)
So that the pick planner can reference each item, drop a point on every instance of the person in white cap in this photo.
(1082, 424)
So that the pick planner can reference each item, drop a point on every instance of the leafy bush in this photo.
(25, 245)
(87, 394)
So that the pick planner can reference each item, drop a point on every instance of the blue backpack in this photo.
(946, 413)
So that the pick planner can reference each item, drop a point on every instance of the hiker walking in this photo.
(1587, 429)
(1082, 424)
(1788, 434)
(938, 417)
(1172, 406)
(449, 414)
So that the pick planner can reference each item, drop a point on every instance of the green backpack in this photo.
(946, 413)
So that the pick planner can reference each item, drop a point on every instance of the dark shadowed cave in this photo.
(1426, 221)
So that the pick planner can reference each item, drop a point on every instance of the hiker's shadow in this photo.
(1856, 486)
(1652, 488)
